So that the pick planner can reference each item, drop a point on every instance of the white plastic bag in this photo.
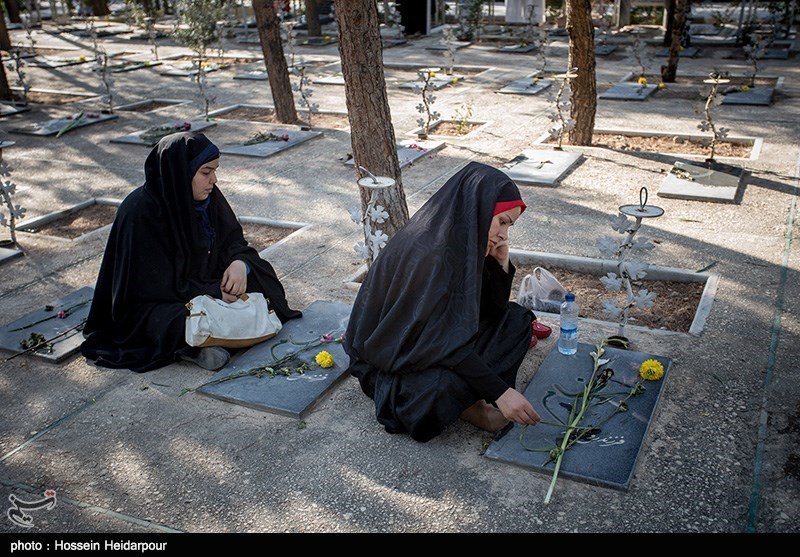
(541, 291)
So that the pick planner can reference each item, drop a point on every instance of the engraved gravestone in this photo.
(291, 395)
(607, 455)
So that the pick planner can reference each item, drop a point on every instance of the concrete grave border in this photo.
(755, 142)
(42, 220)
(221, 111)
(169, 102)
(481, 124)
(299, 228)
(600, 267)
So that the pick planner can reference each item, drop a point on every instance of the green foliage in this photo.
(199, 19)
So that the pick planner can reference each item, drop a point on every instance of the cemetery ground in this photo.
(136, 453)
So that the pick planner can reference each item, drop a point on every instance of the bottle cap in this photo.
(569, 297)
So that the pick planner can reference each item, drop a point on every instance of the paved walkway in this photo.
(126, 453)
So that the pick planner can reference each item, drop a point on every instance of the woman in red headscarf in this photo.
(433, 335)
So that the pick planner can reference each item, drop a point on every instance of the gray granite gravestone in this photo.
(389, 43)
(697, 181)
(608, 455)
(135, 138)
(335, 79)
(9, 109)
(63, 334)
(133, 65)
(52, 127)
(255, 75)
(687, 52)
(776, 54)
(627, 91)
(604, 49)
(440, 81)
(540, 167)
(289, 395)
(409, 150)
(7, 254)
(317, 41)
(268, 148)
(526, 86)
(517, 48)
(188, 70)
(761, 96)
(60, 62)
(443, 46)
(162, 103)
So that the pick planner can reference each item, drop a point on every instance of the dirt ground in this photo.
(674, 306)
(260, 236)
(675, 144)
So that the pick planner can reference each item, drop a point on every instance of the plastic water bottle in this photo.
(568, 338)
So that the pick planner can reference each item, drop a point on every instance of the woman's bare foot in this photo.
(485, 416)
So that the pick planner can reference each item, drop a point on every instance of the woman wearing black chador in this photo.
(174, 238)
(433, 336)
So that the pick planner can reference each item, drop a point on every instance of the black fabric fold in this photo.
(157, 258)
(432, 329)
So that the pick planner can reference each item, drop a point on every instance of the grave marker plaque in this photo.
(608, 455)
(289, 395)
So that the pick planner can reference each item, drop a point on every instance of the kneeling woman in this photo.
(174, 238)
(433, 336)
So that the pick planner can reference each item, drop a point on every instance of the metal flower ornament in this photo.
(629, 269)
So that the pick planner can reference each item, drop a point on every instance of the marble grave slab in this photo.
(65, 332)
(268, 148)
(629, 91)
(296, 394)
(606, 457)
(540, 167)
(135, 138)
(695, 181)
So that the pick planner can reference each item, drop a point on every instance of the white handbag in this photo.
(245, 322)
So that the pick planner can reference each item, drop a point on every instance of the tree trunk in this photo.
(312, 18)
(670, 19)
(583, 102)
(371, 131)
(670, 69)
(5, 40)
(624, 13)
(13, 11)
(5, 90)
(99, 7)
(269, 32)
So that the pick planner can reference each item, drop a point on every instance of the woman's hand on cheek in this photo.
(499, 250)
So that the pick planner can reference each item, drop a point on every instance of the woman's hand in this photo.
(499, 250)
(234, 281)
(516, 408)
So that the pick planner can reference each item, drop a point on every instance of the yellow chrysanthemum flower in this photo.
(652, 370)
(324, 359)
(745, 88)
(455, 80)
(433, 74)
(662, 85)
(642, 81)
